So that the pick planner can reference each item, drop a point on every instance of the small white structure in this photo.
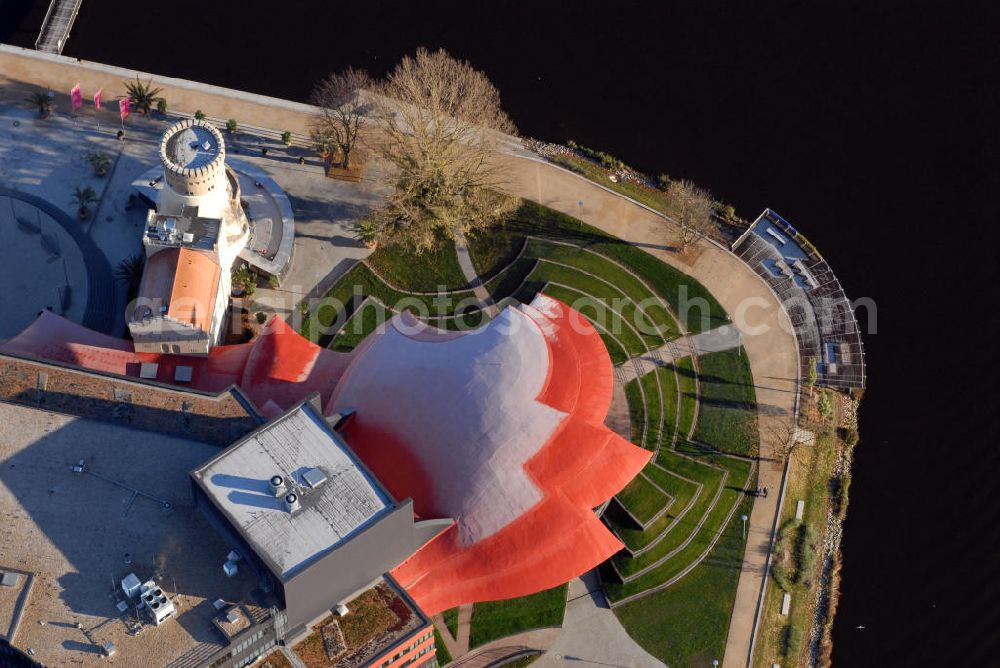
(800, 509)
(342, 610)
(131, 585)
(230, 569)
(786, 604)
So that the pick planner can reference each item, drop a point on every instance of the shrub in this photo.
(273, 282)
(780, 576)
(805, 552)
(99, 162)
(570, 144)
(286, 138)
(825, 405)
(245, 279)
(663, 180)
(232, 125)
(851, 437)
(161, 106)
(728, 213)
(791, 640)
(261, 317)
(199, 115)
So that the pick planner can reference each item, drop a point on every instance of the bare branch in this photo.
(694, 210)
(343, 106)
(441, 120)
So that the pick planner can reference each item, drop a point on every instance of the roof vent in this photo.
(291, 502)
(276, 485)
(314, 477)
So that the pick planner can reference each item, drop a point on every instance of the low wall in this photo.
(60, 74)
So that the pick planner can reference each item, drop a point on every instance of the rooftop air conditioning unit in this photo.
(230, 569)
(188, 237)
(276, 485)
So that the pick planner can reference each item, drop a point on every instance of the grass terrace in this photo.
(499, 619)
(687, 623)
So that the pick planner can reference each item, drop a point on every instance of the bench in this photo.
(781, 240)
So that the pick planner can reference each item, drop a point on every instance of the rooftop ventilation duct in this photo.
(292, 502)
(276, 485)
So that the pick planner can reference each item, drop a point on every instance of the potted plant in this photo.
(286, 138)
(143, 95)
(199, 115)
(43, 102)
(324, 141)
(367, 231)
(99, 162)
(161, 106)
(83, 197)
(244, 282)
(232, 125)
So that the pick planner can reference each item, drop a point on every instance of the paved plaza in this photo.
(47, 159)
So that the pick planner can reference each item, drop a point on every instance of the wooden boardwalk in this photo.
(58, 22)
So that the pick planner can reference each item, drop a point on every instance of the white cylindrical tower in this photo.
(193, 155)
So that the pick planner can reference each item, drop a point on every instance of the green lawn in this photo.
(329, 314)
(689, 396)
(727, 417)
(498, 619)
(636, 410)
(362, 322)
(642, 499)
(451, 621)
(687, 623)
(419, 272)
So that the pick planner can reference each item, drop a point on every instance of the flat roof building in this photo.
(314, 524)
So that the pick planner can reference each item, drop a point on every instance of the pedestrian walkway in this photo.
(715, 340)
(469, 271)
(591, 634)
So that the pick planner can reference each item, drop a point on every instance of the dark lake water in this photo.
(870, 126)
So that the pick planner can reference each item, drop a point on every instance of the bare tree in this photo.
(694, 210)
(442, 122)
(785, 435)
(342, 107)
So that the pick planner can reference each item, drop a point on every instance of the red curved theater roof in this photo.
(501, 429)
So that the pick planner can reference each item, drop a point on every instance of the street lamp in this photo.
(744, 518)
(715, 663)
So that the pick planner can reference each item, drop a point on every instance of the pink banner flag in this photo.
(124, 107)
(76, 97)
(97, 98)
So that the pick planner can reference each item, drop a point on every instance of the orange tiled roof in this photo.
(187, 281)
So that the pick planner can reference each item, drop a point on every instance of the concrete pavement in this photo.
(591, 634)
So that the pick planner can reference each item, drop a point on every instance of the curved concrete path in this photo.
(591, 634)
(765, 332)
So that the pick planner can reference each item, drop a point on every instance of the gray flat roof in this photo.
(347, 501)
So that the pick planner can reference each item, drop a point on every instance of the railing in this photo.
(56, 25)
